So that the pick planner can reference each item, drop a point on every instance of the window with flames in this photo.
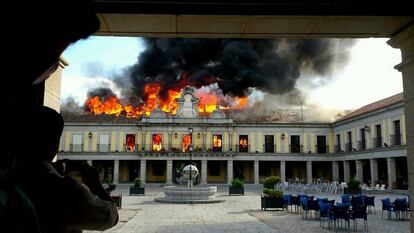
(186, 142)
(156, 142)
(217, 142)
(130, 142)
(243, 143)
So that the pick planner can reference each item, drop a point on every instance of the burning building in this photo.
(153, 142)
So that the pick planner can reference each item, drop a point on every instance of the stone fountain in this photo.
(189, 194)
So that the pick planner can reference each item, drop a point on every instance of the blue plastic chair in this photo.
(360, 212)
(400, 208)
(386, 205)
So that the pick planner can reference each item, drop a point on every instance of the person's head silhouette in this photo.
(44, 134)
(37, 40)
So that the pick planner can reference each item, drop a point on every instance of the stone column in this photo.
(391, 172)
(283, 171)
(404, 41)
(116, 172)
(335, 171)
(170, 135)
(169, 171)
(229, 171)
(143, 171)
(256, 172)
(230, 142)
(204, 141)
(373, 164)
(346, 171)
(203, 171)
(143, 140)
(309, 172)
(359, 171)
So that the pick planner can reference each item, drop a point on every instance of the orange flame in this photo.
(207, 102)
(112, 105)
(156, 142)
(186, 142)
(240, 102)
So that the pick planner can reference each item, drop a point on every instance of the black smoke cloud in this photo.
(272, 66)
(103, 92)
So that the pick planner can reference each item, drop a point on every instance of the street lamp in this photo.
(190, 148)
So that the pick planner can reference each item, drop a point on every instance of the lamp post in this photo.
(190, 148)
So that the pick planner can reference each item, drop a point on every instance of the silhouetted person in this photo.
(17, 213)
(37, 34)
(62, 204)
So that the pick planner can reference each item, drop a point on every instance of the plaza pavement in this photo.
(236, 214)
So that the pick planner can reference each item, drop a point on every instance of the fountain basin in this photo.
(189, 195)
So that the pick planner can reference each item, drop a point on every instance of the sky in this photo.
(369, 76)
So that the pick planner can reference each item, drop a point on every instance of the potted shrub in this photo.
(237, 187)
(136, 187)
(272, 198)
(353, 187)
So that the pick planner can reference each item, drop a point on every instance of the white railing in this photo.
(315, 188)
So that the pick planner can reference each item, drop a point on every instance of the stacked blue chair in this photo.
(360, 212)
(370, 202)
(287, 198)
(304, 204)
(339, 213)
(386, 206)
(324, 209)
(346, 198)
(401, 208)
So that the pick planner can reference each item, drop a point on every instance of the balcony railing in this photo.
(269, 148)
(126, 148)
(348, 147)
(236, 148)
(376, 142)
(103, 147)
(362, 145)
(294, 148)
(321, 149)
(395, 139)
(338, 149)
(76, 147)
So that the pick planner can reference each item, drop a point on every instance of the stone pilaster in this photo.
(283, 171)
(203, 171)
(143, 171)
(309, 172)
(169, 171)
(229, 171)
(373, 164)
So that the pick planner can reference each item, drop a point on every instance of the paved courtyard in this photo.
(236, 214)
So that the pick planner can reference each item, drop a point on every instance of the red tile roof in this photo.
(103, 118)
(373, 106)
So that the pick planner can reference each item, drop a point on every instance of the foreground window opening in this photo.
(295, 144)
(217, 142)
(156, 142)
(103, 143)
(76, 143)
(186, 142)
(269, 144)
(243, 143)
(130, 142)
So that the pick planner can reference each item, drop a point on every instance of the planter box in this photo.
(236, 191)
(272, 202)
(137, 191)
(117, 199)
(352, 191)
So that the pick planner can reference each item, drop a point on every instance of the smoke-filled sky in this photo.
(328, 74)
